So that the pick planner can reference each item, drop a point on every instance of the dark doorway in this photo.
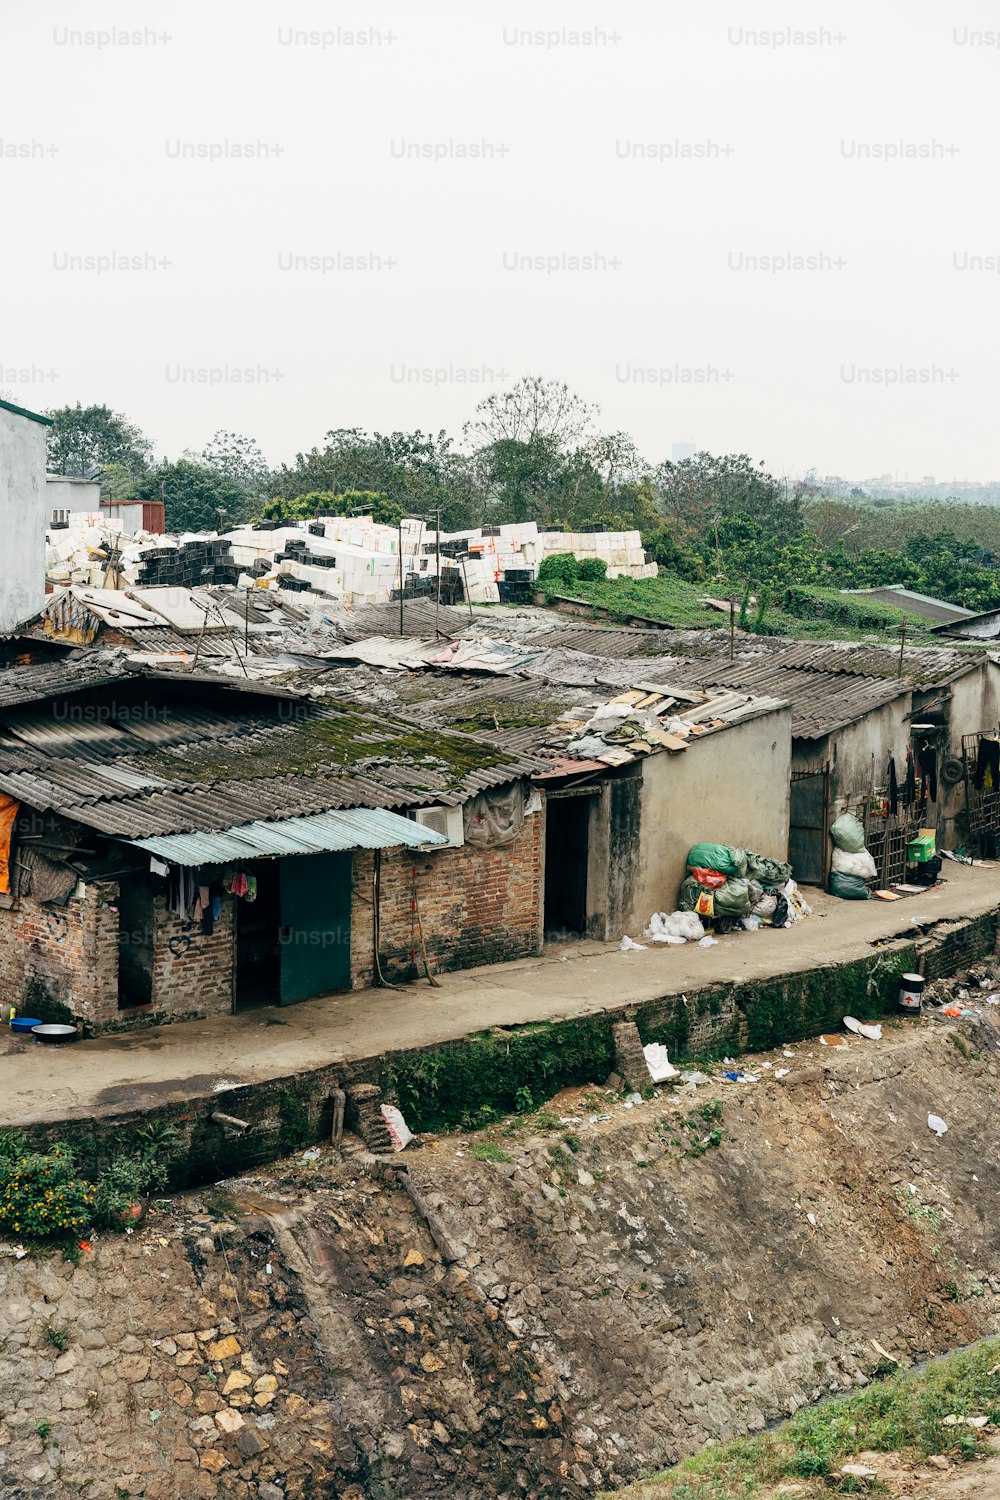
(135, 942)
(258, 946)
(808, 816)
(294, 940)
(566, 843)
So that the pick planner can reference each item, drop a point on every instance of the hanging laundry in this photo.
(987, 775)
(251, 890)
(893, 787)
(158, 866)
(910, 786)
(928, 771)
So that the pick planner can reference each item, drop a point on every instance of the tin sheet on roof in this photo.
(361, 828)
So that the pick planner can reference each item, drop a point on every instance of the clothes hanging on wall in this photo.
(893, 787)
(987, 775)
(910, 784)
(928, 771)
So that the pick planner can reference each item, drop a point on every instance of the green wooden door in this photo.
(315, 925)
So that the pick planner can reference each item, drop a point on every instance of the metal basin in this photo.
(50, 1032)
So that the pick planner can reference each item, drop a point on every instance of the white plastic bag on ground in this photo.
(860, 864)
(659, 1064)
(707, 942)
(798, 906)
(678, 927)
(401, 1133)
(628, 946)
(936, 1124)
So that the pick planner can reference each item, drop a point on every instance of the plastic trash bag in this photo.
(628, 946)
(848, 887)
(678, 927)
(853, 864)
(936, 1124)
(733, 899)
(848, 833)
(718, 857)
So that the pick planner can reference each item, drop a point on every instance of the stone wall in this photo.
(477, 906)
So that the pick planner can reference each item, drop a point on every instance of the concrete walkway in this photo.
(174, 1062)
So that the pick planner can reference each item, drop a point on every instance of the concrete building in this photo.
(23, 513)
(67, 496)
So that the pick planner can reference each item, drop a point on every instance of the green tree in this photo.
(84, 439)
(700, 493)
(196, 497)
(239, 458)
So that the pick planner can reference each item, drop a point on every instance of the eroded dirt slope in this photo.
(631, 1281)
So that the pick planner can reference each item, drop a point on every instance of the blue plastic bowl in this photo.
(24, 1023)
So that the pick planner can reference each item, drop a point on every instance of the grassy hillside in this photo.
(793, 611)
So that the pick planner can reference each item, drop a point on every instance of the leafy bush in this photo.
(40, 1193)
(561, 568)
(592, 569)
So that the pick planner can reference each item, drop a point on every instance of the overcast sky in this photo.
(597, 193)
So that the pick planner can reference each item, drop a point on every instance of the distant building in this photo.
(66, 497)
(938, 610)
(22, 513)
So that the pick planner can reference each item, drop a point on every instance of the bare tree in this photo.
(534, 408)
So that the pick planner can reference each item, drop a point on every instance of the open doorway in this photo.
(566, 850)
(294, 940)
(258, 939)
(135, 942)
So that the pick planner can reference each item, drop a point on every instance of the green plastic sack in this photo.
(848, 887)
(713, 857)
(768, 871)
(687, 896)
(848, 833)
(733, 899)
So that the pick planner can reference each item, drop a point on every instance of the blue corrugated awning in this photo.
(358, 828)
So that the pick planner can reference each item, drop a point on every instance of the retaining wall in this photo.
(467, 1081)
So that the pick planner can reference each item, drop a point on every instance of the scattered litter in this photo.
(401, 1133)
(858, 1471)
(658, 1063)
(836, 1042)
(993, 999)
(692, 1076)
(268, 1269)
(781, 1072)
(678, 927)
(936, 1124)
(628, 946)
(570, 1119)
(740, 1077)
(767, 1065)
(312, 1155)
(883, 1353)
(707, 942)
(633, 1099)
(873, 1033)
(19, 1252)
(812, 1219)
(786, 1053)
(954, 1011)
(154, 1416)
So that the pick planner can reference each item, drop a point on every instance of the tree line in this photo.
(538, 453)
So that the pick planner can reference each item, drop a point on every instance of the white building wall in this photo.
(23, 517)
(70, 496)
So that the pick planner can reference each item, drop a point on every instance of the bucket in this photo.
(911, 994)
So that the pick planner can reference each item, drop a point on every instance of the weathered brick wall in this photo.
(478, 906)
(956, 945)
(61, 962)
(193, 973)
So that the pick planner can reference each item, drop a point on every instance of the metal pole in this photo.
(437, 602)
(401, 575)
(902, 643)
(732, 629)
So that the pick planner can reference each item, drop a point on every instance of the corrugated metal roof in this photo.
(821, 702)
(362, 828)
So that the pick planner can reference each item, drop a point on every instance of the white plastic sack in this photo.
(628, 946)
(679, 926)
(659, 1064)
(401, 1133)
(860, 864)
(936, 1124)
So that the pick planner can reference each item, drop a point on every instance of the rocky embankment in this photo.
(623, 1282)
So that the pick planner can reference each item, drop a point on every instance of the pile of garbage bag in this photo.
(739, 886)
(851, 865)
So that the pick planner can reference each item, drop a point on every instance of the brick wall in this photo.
(61, 962)
(193, 973)
(478, 906)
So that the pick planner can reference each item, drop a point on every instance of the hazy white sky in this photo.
(591, 192)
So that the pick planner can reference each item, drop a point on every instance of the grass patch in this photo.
(905, 1413)
(488, 1151)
